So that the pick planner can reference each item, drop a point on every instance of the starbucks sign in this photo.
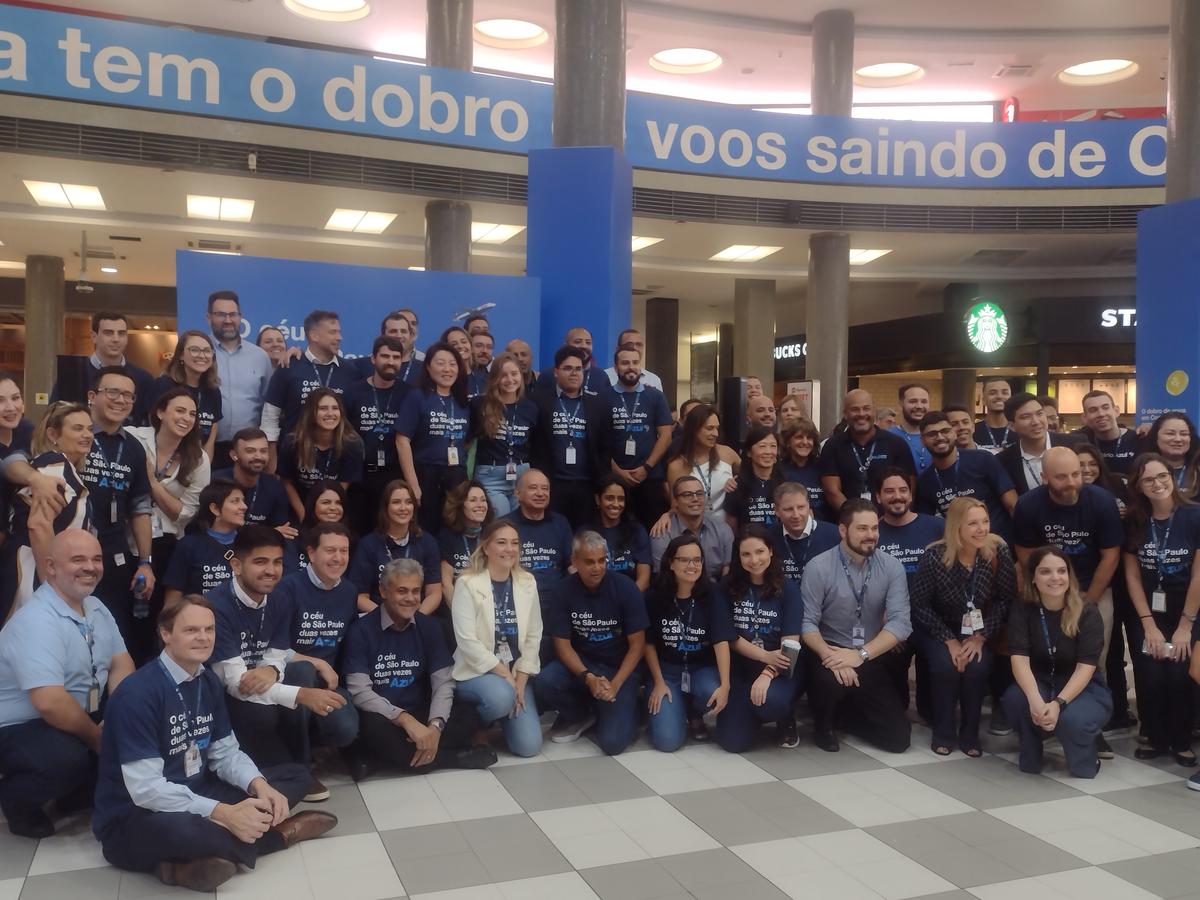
(987, 327)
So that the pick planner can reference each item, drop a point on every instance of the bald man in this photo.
(545, 535)
(523, 354)
(594, 379)
(852, 460)
(59, 654)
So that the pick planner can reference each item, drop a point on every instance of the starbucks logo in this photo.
(987, 327)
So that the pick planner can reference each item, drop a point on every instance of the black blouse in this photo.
(1025, 638)
(939, 594)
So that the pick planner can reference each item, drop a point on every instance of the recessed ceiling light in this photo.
(375, 222)
(11, 264)
(109, 270)
(216, 252)
(359, 220)
(685, 60)
(84, 196)
(65, 196)
(862, 257)
(744, 253)
(329, 10)
(416, 268)
(888, 74)
(491, 233)
(510, 34)
(641, 243)
(227, 209)
(1098, 71)
(235, 210)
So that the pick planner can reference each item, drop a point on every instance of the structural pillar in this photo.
(449, 44)
(828, 302)
(958, 386)
(44, 309)
(1183, 102)
(662, 343)
(589, 73)
(754, 330)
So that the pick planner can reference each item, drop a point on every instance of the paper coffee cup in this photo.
(791, 650)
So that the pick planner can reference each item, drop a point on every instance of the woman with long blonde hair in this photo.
(1056, 640)
(504, 420)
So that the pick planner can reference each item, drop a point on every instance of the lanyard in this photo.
(860, 594)
(1052, 649)
(508, 429)
(684, 627)
(937, 474)
(789, 542)
(450, 408)
(467, 544)
(160, 474)
(246, 618)
(573, 416)
(328, 375)
(1160, 546)
(99, 447)
(322, 460)
(630, 413)
(973, 581)
(250, 495)
(1033, 475)
(757, 613)
(1003, 439)
(1179, 474)
(863, 466)
(406, 547)
(404, 370)
(382, 409)
(706, 483)
(504, 603)
(187, 713)
(87, 631)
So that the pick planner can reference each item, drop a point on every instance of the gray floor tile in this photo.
(947, 895)
(790, 810)
(988, 783)
(603, 779)
(1169, 875)
(1032, 856)
(16, 854)
(512, 847)
(759, 889)
(85, 884)
(809, 761)
(702, 871)
(539, 786)
(144, 886)
(347, 804)
(441, 873)
(427, 840)
(726, 818)
(1170, 804)
(946, 854)
(643, 879)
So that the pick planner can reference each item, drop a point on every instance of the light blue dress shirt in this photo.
(244, 374)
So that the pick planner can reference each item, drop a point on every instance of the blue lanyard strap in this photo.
(863, 465)
(87, 631)
(630, 413)
(685, 626)
(187, 713)
(1051, 648)
(973, 580)
(938, 474)
(789, 541)
(328, 375)
(1160, 545)
(99, 445)
(860, 594)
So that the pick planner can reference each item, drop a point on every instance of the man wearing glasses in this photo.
(244, 370)
(110, 338)
(690, 512)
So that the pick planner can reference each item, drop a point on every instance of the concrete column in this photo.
(1183, 102)
(44, 305)
(754, 329)
(832, 62)
(1043, 369)
(724, 352)
(662, 343)
(589, 73)
(958, 386)
(449, 44)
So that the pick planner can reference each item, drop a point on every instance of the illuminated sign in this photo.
(987, 327)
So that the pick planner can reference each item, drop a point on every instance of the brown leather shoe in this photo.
(304, 826)
(205, 874)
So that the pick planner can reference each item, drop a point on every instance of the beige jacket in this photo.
(474, 614)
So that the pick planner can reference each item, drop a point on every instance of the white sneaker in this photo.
(569, 732)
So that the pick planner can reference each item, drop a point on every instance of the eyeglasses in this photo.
(1160, 478)
(570, 370)
(689, 562)
(200, 352)
(689, 495)
(937, 432)
(118, 395)
(226, 315)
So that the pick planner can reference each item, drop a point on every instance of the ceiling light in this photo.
(11, 264)
(227, 209)
(234, 210)
(359, 220)
(685, 60)
(641, 243)
(744, 253)
(84, 196)
(1098, 71)
(375, 222)
(862, 257)
(109, 270)
(416, 268)
(329, 10)
(216, 252)
(199, 207)
(65, 196)
(491, 233)
(888, 74)
(510, 34)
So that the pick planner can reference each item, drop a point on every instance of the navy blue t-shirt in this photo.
(246, 632)
(625, 552)
(289, 387)
(858, 465)
(908, 542)
(1081, 531)
(433, 424)
(1119, 454)
(1167, 552)
(545, 549)
(797, 552)
(512, 436)
(372, 412)
(326, 464)
(375, 551)
(456, 548)
(266, 502)
(361, 367)
(208, 402)
(199, 564)
(146, 719)
(999, 438)
(597, 622)
(115, 475)
(810, 477)
(976, 473)
(764, 620)
(568, 429)
(683, 631)
(638, 415)
(753, 501)
(399, 663)
(319, 617)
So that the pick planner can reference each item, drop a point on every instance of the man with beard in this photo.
(397, 325)
(266, 499)
(1022, 460)
(523, 354)
(855, 611)
(634, 337)
(904, 534)
(639, 433)
(914, 404)
(994, 431)
(963, 423)
(243, 369)
(760, 411)
(483, 346)
(955, 472)
(1101, 427)
(1081, 520)
(851, 460)
(594, 379)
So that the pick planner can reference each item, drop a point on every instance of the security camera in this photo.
(83, 287)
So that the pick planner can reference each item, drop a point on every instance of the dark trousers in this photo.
(40, 764)
(221, 460)
(574, 499)
(338, 729)
(116, 593)
(738, 723)
(436, 481)
(872, 711)
(366, 495)
(142, 839)
(275, 735)
(391, 745)
(1164, 687)
(1078, 727)
(648, 501)
(951, 691)
(1114, 664)
(557, 689)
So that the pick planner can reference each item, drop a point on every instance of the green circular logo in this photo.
(987, 327)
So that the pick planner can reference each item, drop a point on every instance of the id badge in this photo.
(630, 450)
(191, 761)
(156, 529)
(758, 641)
(858, 636)
(685, 681)
(112, 511)
(119, 559)
(504, 653)
(380, 460)
(865, 494)
(976, 620)
(570, 460)
(93, 701)
(1158, 601)
(510, 471)
(452, 455)
(968, 626)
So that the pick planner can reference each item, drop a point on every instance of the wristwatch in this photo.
(438, 724)
(1062, 702)
(862, 651)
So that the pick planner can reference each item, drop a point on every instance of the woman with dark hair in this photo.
(800, 452)
(701, 454)
(1173, 437)
(687, 647)
(503, 420)
(325, 502)
(465, 514)
(628, 543)
(459, 341)
(432, 433)
(1163, 530)
(1056, 639)
(753, 500)
(271, 340)
(397, 535)
(193, 367)
(322, 447)
(766, 610)
(200, 562)
(1094, 469)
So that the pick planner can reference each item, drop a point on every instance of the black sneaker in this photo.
(786, 734)
(36, 825)
(476, 757)
(1103, 750)
(699, 731)
(999, 724)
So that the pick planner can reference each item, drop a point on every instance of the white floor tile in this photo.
(572, 821)
(693, 768)
(657, 827)
(473, 795)
(67, 853)
(403, 803)
(354, 867)
(564, 886)
(481, 892)
(721, 768)
(621, 831)
(918, 753)
(1116, 774)
(781, 860)
(900, 878)
(1076, 884)
(847, 849)
(879, 797)
(277, 875)
(10, 888)
(605, 848)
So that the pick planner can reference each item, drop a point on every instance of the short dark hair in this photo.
(222, 295)
(621, 336)
(957, 407)
(384, 340)
(933, 417)
(110, 370)
(253, 537)
(626, 348)
(474, 317)
(565, 352)
(110, 315)
(681, 478)
(905, 388)
(316, 317)
(394, 315)
(1048, 401)
(994, 379)
(852, 507)
(1090, 395)
(1016, 401)
(253, 433)
(215, 493)
(312, 537)
(891, 472)
(171, 610)
(480, 334)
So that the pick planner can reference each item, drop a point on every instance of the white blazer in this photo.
(474, 614)
(188, 495)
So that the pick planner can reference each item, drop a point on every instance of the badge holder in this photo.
(452, 455)
(93, 698)
(858, 636)
(570, 460)
(685, 681)
(1158, 601)
(504, 653)
(191, 761)
(510, 471)
(630, 449)
(380, 458)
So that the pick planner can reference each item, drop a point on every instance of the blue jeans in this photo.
(616, 722)
(737, 725)
(500, 491)
(340, 727)
(668, 727)
(1078, 727)
(493, 699)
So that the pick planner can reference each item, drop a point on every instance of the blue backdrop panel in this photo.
(282, 291)
(580, 227)
(1168, 310)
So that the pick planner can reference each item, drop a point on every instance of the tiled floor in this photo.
(700, 823)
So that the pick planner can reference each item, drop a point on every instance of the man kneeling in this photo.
(175, 793)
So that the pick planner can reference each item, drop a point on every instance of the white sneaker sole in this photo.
(570, 737)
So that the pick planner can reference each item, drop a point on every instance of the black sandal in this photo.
(941, 750)
(1187, 759)
(1146, 753)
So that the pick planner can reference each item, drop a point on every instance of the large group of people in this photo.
(266, 556)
